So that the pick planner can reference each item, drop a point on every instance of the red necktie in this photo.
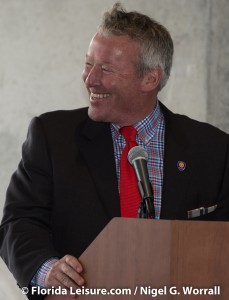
(129, 194)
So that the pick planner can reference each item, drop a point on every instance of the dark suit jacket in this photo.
(65, 189)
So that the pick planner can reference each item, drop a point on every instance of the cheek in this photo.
(117, 87)
(109, 82)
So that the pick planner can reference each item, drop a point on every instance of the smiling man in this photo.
(69, 183)
(117, 92)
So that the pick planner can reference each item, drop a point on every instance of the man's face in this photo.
(110, 76)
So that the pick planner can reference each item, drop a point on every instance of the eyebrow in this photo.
(104, 62)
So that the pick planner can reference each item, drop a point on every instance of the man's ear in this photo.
(151, 80)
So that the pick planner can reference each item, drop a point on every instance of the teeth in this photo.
(100, 96)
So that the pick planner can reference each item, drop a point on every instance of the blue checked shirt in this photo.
(39, 278)
(151, 136)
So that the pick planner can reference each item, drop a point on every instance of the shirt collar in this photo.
(146, 128)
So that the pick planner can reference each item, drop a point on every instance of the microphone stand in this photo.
(142, 214)
(146, 208)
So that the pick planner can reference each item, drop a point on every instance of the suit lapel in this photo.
(96, 147)
(177, 167)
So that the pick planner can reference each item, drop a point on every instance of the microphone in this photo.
(137, 157)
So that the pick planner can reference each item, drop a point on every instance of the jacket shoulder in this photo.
(75, 115)
(191, 127)
(60, 124)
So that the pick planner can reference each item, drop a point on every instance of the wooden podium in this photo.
(149, 257)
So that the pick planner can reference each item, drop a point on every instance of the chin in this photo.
(106, 116)
(95, 115)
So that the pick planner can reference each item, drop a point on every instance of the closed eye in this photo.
(105, 69)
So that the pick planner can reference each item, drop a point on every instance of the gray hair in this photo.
(156, 45)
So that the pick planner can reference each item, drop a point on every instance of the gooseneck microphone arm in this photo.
(138, 156)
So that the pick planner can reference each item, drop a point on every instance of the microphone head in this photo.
(137, 152)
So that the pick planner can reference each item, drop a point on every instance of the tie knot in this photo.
(129, 133)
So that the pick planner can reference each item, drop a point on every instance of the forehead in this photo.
(113, 48)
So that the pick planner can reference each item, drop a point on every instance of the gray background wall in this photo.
(42, 50)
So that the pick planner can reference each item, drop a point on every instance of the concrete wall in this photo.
(42, 50)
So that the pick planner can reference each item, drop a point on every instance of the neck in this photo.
(133, 120)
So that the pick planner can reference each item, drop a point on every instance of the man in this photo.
(67, 186)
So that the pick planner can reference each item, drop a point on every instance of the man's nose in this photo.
(93, 77)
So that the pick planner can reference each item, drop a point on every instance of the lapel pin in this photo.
(181, 165)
